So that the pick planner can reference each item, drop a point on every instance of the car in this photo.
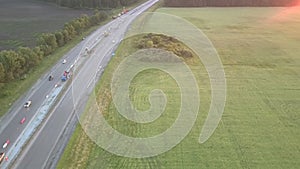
(23, 120)
(63, 78)
(57, 85)
(27, 104)
(67, 71)
(6, 144)
(2, 157)
(105, 33)
(50, 78)
(64, 61)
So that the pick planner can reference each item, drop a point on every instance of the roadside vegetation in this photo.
(95, 4)
(21, 67)
(260, 125)
(15, 65)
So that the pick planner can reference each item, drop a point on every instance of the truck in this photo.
(66, 75)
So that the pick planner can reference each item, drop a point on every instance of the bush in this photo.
(149, 44)
(164, 42)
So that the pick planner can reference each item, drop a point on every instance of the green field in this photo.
(261, 121)
(22, 20)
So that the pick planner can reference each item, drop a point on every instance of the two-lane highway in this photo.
(39, 150)
(10, 127)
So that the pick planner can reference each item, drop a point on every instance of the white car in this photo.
(64, 61)
(27, 104)
(6, 144)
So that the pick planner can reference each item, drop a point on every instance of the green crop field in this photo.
(259, 49)
(22, 20)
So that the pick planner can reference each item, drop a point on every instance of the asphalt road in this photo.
(88, 67)
(10, 127)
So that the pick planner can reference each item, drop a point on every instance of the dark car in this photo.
(50, 78)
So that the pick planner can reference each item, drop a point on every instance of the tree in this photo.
(97, 17)
(201, 3)
(2, 73)
(70, 29)
(47, 43)
(84, 20)
(13, 64)
(51, 41)
(31, 58)
(59, 38)
(39, 53)
(77, 26)
(66, 36)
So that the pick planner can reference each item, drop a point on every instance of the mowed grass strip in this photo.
(260, 125)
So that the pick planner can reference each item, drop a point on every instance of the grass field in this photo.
(22, 20)
(259, 48)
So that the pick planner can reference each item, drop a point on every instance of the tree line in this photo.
(99, 4)
(228, 3)
(14, 64)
